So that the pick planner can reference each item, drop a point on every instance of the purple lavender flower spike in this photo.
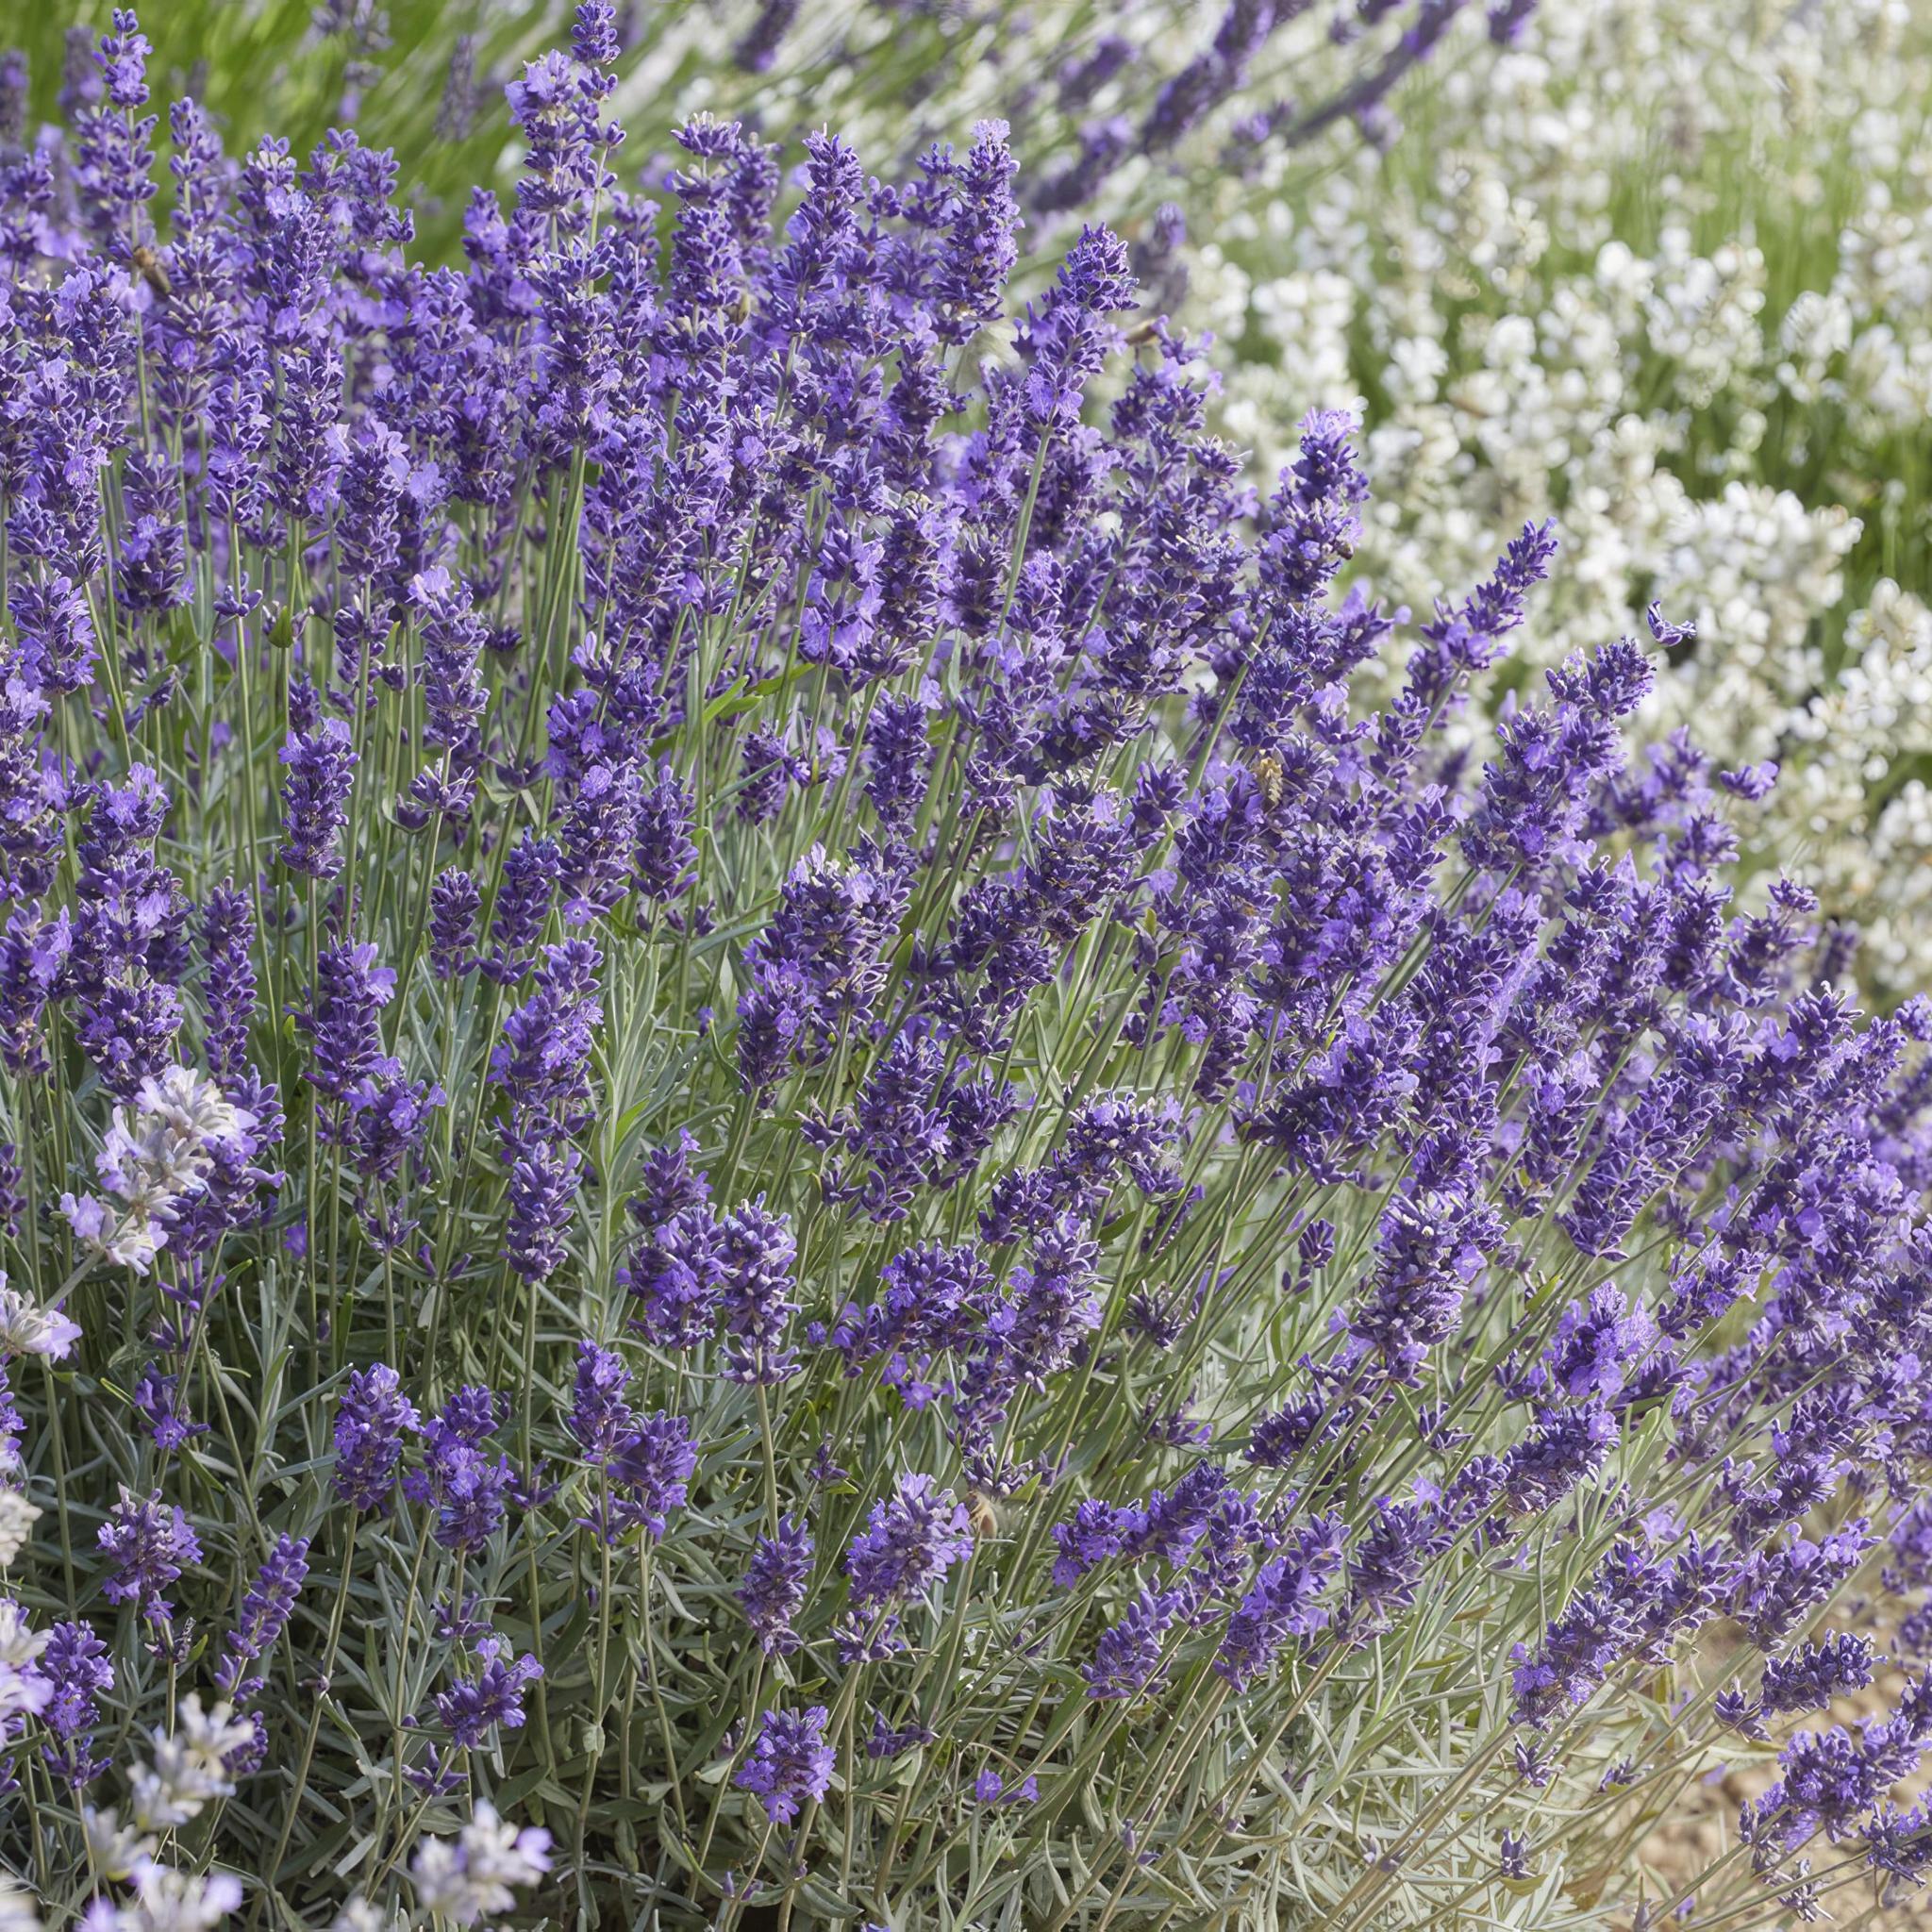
(149, 1545)
(265, 1612)
(789, 1763)
(371, 1425)
(774, 1585)
(911, 1539)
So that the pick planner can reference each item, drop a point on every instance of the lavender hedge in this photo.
(760, 1169)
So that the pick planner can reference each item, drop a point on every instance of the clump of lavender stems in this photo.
(767, 1152)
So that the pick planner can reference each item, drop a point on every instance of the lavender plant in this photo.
(762, 1169)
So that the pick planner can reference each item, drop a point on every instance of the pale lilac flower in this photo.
(477, 1875)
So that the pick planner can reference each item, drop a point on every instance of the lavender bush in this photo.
(761, 1171)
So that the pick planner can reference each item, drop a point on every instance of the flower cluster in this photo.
(772, 1091)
